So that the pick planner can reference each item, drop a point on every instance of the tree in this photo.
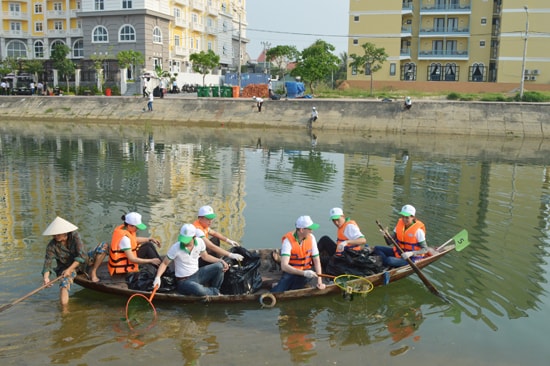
(35, 68)
(281, 56)
(60, 62)
(316, 63)
(370, 62)
(130, 58)
(203, 62)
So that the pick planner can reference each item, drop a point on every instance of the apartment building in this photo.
(454, 40)
(166, 32)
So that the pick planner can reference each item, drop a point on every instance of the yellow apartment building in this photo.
(478, 41)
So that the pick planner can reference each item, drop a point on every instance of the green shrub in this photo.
(533, 96)
(453, 96)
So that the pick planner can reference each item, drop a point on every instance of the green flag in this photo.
(461, 240)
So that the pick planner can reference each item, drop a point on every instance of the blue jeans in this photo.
(290, 282)
(196, 284)
(388, 257)
(150, 106)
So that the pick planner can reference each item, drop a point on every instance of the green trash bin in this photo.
(203, 91)
(215, 91)
(226, 91)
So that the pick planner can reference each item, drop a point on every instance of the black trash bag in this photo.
(244, 277)
(143, 280)
(355, 262)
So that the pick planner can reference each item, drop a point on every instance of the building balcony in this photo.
(407, 7)
(14, 34)
(445, 9)
(180, 22)
(210, 30)
(444, 31)
(15, 15)
(196, 27)
(406, 31)
(212, 10)
(76, 32)
(56, 14)
(442, 54)
(405, 53)
(181, 51)
(197, 4)
(182, 2)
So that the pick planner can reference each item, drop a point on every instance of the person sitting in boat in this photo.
(192, 280)
(299, 250)
(410, 235)
(348, 235)
(70, 255)
(129, 250)
(211, 237)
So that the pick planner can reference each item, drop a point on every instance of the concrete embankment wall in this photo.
(360, 116)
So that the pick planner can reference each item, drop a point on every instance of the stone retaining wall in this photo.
(361, 116)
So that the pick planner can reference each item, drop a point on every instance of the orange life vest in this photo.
(406, 237)
(204, 229)
(118, 261)
(300, 255)
(342, 237)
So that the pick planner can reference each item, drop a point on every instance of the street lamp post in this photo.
(239, 70)
(524, 53)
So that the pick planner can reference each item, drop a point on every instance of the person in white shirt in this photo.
(192, 280)
(259, 102)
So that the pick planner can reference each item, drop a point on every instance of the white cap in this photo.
(305, 222)
(407, 210)
(254, 97)
(187, 232)
(133, 218)
(336, 213)
(59, 226)
(207, 212)
(314, 108)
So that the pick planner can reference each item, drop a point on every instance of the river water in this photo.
(259, 182)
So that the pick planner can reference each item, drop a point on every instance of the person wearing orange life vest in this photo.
(129, 250)
(211, 237)
(299, 250)
(410, 235)
(348, 235)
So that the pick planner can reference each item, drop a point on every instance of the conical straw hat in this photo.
(59, 226)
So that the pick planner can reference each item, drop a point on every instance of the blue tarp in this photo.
(295, 89)
(246, 79)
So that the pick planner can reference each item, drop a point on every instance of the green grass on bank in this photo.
(528, 96)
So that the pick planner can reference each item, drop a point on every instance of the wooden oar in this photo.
(7, 306)
(415, 268)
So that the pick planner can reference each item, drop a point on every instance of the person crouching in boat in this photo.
(211, 237)
(70, 255)
(410, 235)
(129, 250)
(348, 235)
(192, 280)
(299, 250)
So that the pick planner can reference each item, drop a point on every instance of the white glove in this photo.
(407, 255)
(236, 256)
(233, 243)
(341, 246)
(156, 282)
(310, 274)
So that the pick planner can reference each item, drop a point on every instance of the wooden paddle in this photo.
(7, 306)
(415, 268)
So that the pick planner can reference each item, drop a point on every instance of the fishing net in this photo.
(351, 285)
(140, 312)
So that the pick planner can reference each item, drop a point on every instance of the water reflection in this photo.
(259, 182)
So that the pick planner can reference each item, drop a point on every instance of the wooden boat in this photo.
(270, 272)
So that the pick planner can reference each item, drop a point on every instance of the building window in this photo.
(15, 28)
(15, 9)
(58, 25)
(354, 70)
(157, 35)
(409, 72)
(194, 18)
(126, 4)
(355, 41)
(100, 35)
(127, 34)
(392, 69)
(38, 49)
(38, 8)
(356, 18)
(177, 41)
(99, 5)
(38, 27)
(368, 70)
(224, 49)
(482, 44)
(483, 21)
(55, 44)
(78, 49)
(16, 49)
(57, 7)
(209, 45)
(177, 13)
